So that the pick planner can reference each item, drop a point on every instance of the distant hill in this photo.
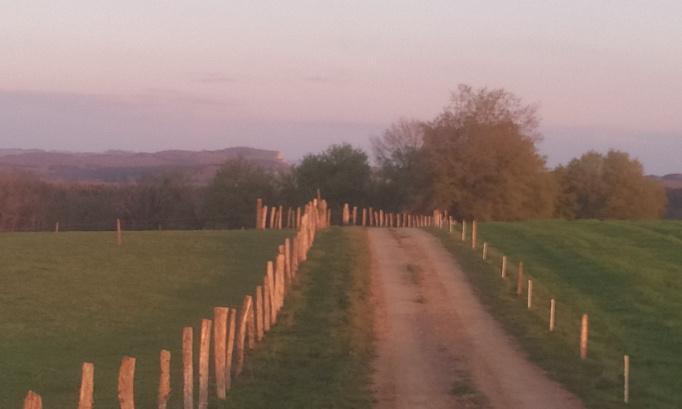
(127, 167)
(672, 181)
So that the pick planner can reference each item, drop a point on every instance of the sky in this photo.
(297, 76)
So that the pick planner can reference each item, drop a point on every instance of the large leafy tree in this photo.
(610, 186)
(482, 158)
(341, 173)
(402, 178)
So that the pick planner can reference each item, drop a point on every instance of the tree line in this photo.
(478, 159)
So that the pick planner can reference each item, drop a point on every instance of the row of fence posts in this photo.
(520, 281)
(370, 217)
(233, 331)
(377, 218)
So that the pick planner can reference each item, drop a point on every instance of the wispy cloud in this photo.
(215, 78)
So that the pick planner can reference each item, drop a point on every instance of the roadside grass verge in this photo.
(319, 353)
(625, 275)
(73, 297)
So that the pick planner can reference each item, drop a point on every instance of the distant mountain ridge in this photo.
(126, 167)
(672, 181)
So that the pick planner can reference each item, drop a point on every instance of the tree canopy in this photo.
(342, 173)
(610, 186)
(231, 196)
(483, 161)
(399, 154)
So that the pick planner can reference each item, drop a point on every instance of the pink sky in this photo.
(298, 76)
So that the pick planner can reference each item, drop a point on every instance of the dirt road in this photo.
(437, 346)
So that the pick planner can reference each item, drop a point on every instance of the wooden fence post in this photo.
(272, 291)
(264, 217)
(251, 324)
(259, 312)
(187, 369)
(204, 348)
(33, 401)
(87, 385)
(519, 283)
(259, 212)
(164, 378)
(287, 263)
(464, 230)
(219, 344)
(552, 313)
(279, 279)
(474, 232)
(626, 376)
(230, 348)
(583, 337)
(266, 304)
(126, 378)
(485, 251)
(504, 266)
(241, 335)
(118, 231)
(530, 294)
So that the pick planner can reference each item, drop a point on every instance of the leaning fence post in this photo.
(266, 304)
(241, 334)
(87, 385)
(230, 348)
(504, 266)
(552, 313)
(126, 377)
(164, 379)
(251, 325)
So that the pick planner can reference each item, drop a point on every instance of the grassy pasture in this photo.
(68, 298)
(626, 275)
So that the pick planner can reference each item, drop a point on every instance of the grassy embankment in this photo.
(321, 357)
(68, 298)
(626, 275)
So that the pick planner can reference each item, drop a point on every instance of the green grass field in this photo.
(68, 298)
(626, 275)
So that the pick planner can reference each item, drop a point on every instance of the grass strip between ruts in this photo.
(319, 353)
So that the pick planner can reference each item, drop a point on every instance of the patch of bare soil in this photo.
(437, 347)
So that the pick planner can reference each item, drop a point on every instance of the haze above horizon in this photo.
(299, 76)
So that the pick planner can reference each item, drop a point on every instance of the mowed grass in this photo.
(627, 276)
(69, 298)
(319, 354)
